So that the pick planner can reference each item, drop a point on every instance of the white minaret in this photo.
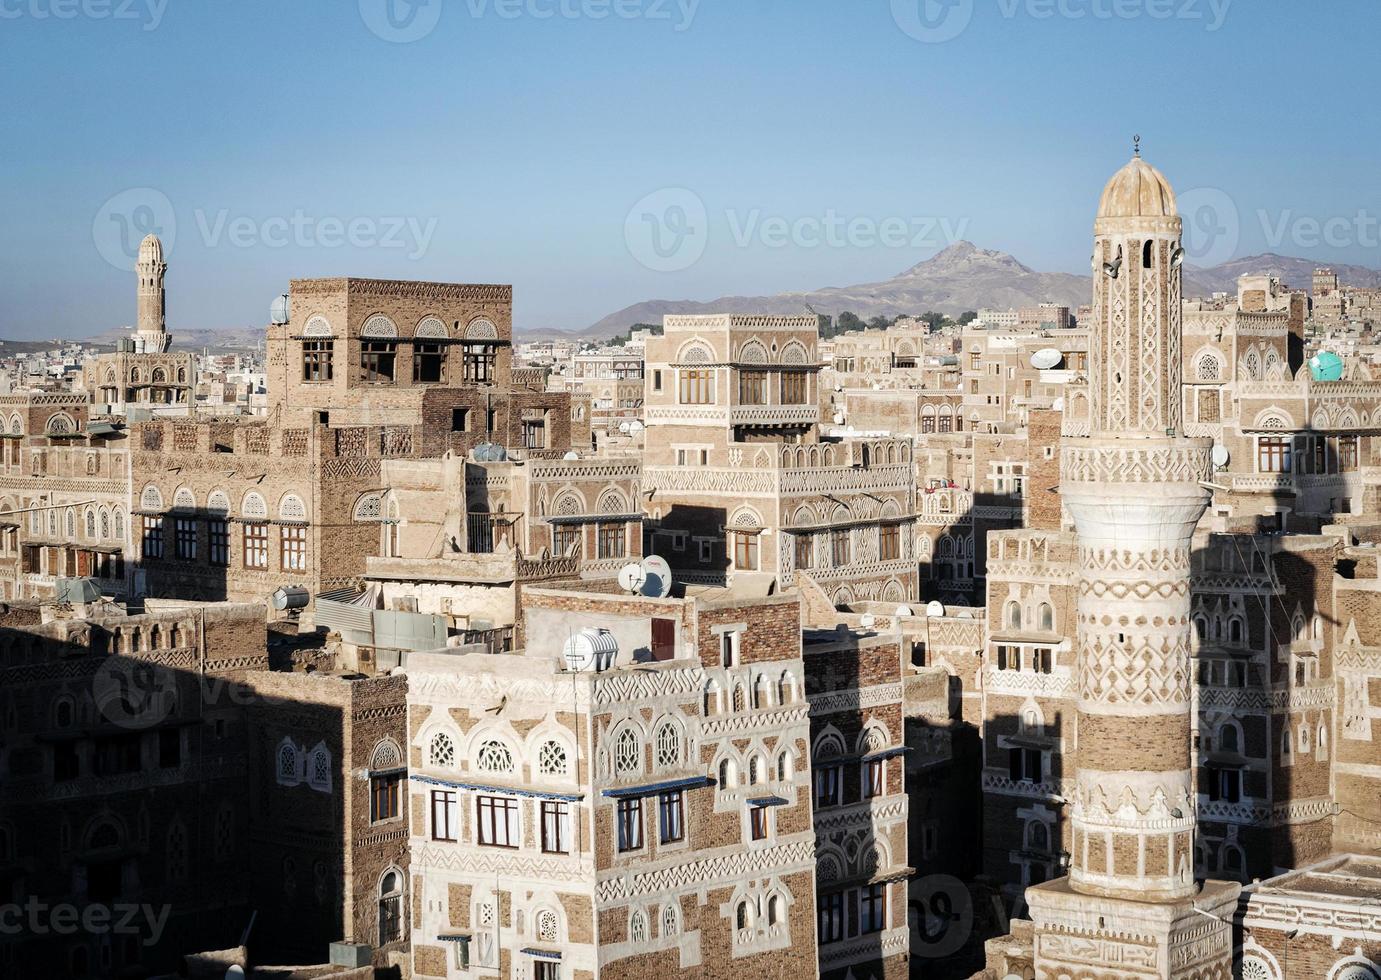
(151, 329)
(1134, 488)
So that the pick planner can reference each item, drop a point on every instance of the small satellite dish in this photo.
(1221, 455)
(656, 577)
(1058, 404)
(867, 620)
(635, 427)
(236, 972)
(624, 427)
(571, 457)
(934, 609)
(905, 611)
(838, 418)
(631, 578)
(1045, 359)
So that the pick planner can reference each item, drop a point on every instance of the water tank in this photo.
(290, 597)
(590, 649)
(489, 452)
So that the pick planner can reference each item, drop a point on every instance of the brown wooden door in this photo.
(664, 639)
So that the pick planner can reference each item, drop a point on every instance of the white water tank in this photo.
(590, 649)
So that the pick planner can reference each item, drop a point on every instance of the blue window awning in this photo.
(648, 789)
(544, 954)
(768, 801)
(498, 790)
(453, 937)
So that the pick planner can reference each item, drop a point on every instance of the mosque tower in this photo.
(151, 330)
(1130, 905)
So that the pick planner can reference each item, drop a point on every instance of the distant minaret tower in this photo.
(1134, 488)
(151, 332)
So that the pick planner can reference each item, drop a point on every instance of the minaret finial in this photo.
(1136, 145)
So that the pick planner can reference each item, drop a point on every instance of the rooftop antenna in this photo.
(1136, 145)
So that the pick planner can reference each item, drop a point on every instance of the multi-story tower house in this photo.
(650, 818)
(739, 479)
(1130, 904)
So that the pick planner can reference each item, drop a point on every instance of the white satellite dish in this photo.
(1058, 404)
(867, 620)
(838, 418)
(1221, 455)
(934, 609)
(631, 578)
(571, 457)
(635, 427)
(656, 577)
(236, 972)
(905, 611)
(624, 427)
(1046, 358)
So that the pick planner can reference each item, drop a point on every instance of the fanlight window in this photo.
(548, 926)
(291, 508)
(628, 755)
(151, 499)
(442, 751)
(369, 507)
(668, 747)
(184, 499)
(551, 759)
(218, 502)
(494, 756)
(481, 329)
(254, 505)
(386, 756)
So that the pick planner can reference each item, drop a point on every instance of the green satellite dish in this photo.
(1326, 366)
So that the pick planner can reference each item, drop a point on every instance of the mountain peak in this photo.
(964, 257)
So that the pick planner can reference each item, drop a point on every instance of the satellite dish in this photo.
(905, 611)
(1045, 359)
(278, 310)
(631, 578)
(838, 418)
(656, 582)
(236, 972)
(934, 609)
(635, 427)
(867, 620)
(1221, 455)
(571, 457)
(1058, 404)
(624, 427)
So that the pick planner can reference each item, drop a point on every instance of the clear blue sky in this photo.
(514, 145)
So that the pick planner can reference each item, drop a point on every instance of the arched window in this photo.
(1047, 617)
(1147, 251)
(1229, 740)
(668, 747)
(548, 926)
(774, 911)
(105, 523)
(712, 699)
(390, 907)
(786, 688)
(1322, 741)
(1037, 836)
(754, 771)
(552, 759)
(288, 770)
(628, 752)
(784, 767)
(727, 774)
(637, 927)
(760, 696)
(741, 919)
(442, 751)
(671, 921)
(90, 523)
(1013, 616)
(319, 769)
(738, 697)
(119, 519)
(494, 756)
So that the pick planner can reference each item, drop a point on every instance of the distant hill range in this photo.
(964, 277)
